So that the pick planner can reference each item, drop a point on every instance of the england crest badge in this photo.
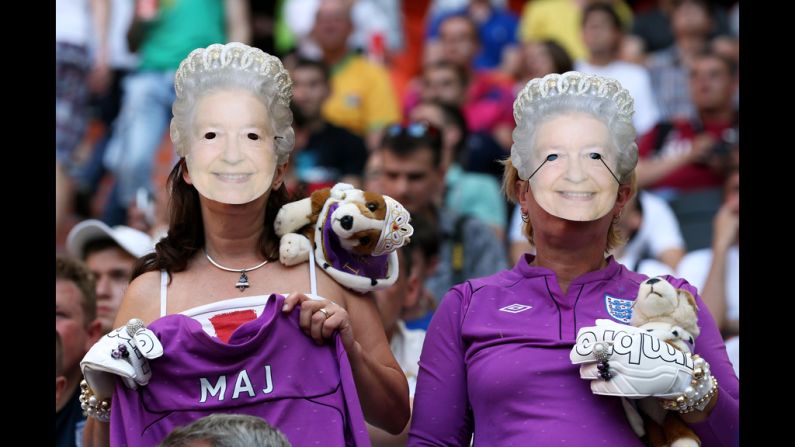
(618, 308)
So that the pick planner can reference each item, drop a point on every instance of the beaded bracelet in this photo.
(697, 396)
(99, 409)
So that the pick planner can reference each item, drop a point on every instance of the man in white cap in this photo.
(110, 254)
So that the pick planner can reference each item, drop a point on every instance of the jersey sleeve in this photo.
(722, 427)
(442, 414)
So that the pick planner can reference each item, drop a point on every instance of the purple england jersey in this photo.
(269, 368)
(496, 362)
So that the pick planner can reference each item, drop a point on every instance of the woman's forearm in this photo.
(383, 391)
(96, 434)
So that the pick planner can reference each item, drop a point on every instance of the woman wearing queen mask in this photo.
(227, 349)
(503, 354)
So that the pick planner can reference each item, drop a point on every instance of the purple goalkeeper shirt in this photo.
(269, 368)
(496, 362)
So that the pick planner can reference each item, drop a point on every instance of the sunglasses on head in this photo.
(415, 130)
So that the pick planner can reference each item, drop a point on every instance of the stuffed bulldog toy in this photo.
(353, 234)
(649, 364)
(670, 315)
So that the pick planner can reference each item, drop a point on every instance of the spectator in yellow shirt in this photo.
(362, 96)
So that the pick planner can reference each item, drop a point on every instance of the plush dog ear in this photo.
(689, 297)
(318, 199)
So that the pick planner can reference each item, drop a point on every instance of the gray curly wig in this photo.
(239, 66)
(573, 92)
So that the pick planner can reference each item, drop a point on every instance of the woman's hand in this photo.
(123, 352)
(640, 364)
(320, 318)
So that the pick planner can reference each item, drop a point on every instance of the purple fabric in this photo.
(506, 376)
(311, 396)
(374, 267)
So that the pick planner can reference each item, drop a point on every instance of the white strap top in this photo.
(206, 312)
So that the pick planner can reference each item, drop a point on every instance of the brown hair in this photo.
(71, 269)
(186, 229)
(511, 175)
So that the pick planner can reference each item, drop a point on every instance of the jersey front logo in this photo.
(515, 308)
(619, 309)
(243, 384)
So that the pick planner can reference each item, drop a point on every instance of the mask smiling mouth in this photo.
(577, 195)
(232, 177)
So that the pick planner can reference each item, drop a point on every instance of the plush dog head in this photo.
(353, 235)
(356, 235)
(360, 220)
(669, 313)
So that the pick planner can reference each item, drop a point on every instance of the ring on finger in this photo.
(325, 312)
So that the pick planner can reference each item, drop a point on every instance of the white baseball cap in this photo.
(134, 242)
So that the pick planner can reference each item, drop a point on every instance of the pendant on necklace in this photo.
(242, 283)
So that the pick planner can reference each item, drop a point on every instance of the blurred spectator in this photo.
(561, 21)
(654, 243)
(79, 329)
(226, 430)
(542, 58)
(78, 71)
(497, 29)
(406, 344)
(110, 254)
(324, 153)
(602, 34)
(729, 48)
(684, 161)
(486, 98)
(413, 175)
(653, 26)
(688, 154)
(441, 81)
(424, 249)
(445, 83)
(691, 24)
(487, 101)
(376, 28)
(715, 271)
(362, 98)
(162, 41)
(121, 62)
(465, 192)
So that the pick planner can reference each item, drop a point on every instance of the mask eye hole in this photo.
(209, 135)
(252, 136)
(372, 206)
(595, 156)
(552, 157)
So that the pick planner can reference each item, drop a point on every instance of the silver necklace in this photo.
(242, 282)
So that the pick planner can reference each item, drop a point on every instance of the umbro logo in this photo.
(515, 308)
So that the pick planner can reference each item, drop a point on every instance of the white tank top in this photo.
(206, 312)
